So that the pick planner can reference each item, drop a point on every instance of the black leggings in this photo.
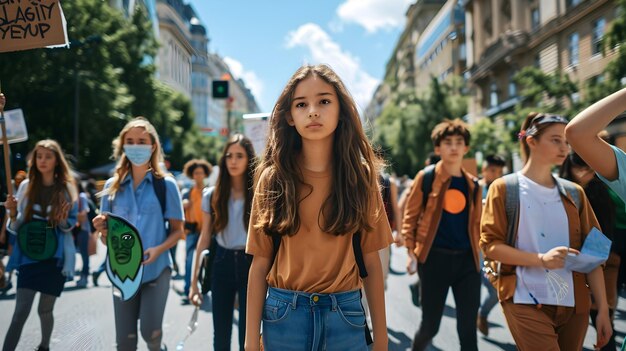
(23, 303)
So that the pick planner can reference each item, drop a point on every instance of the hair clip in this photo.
(521, 135)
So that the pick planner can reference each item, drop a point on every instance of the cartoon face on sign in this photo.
(124, 256)
(123, 250)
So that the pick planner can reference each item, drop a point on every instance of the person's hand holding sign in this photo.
(3, 101)
(100, 225)
(10, 204)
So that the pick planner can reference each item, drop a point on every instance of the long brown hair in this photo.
(221, 194)
(354, 171)
(64, 188)
(123, 163)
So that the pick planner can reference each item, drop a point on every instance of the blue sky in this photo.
(264, 42)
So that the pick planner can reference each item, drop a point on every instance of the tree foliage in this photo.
(404, 127)
(490, 138)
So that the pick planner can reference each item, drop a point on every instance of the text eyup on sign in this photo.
(29, 24)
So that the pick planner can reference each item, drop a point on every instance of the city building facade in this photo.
(400, 72)
(503, 36)
(200, 73)
(441, 49)
(174, 57)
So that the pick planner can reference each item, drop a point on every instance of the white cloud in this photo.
(323, 49)
(374, 14)
(253, 82)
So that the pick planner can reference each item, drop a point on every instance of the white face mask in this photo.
(138, 155)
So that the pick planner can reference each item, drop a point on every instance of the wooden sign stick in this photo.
(5, 150)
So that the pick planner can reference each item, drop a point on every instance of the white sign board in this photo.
(16, 126)
(255, 127)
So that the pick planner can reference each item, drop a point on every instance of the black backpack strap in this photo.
(159, 190)
(385, 185)
(368, 333)
(427, 183)
(358, 254)
(276, 240)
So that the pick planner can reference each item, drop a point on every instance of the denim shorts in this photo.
(294, 320)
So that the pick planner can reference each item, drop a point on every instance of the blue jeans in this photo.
(190, 247)
(294, 320)
(229, 277)
(491, 300)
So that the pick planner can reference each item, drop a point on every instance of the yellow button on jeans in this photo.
(316, 298)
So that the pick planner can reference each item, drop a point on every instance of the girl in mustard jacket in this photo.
(545, 304)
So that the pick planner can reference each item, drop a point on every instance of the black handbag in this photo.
(204, 275)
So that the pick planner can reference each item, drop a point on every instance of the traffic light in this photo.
(220, 89)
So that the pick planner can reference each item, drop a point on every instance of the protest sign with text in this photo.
(29, 24)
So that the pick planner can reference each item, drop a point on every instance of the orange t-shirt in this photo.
(312, 260)
(193, 214)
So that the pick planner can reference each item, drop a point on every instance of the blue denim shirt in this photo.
(618, 185)
(17, 258)
(141, 207)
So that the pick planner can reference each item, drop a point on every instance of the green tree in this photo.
(404, 127)
(490, 138)
(614, 40)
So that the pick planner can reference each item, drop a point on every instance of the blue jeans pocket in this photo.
(352, 313)
(275, 310)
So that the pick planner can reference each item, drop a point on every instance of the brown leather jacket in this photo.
(419, 225)
(493, 229)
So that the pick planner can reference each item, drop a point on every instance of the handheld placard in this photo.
(124, 256)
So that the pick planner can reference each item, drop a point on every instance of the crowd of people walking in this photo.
(299, 234)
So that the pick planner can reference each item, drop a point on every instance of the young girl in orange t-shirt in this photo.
(316, 193)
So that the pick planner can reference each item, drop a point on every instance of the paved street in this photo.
(84, 318)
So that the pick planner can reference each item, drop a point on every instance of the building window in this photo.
(573, 49)
(535, 18)
(493, 95)
(596, 36)
(537, 61)
(512, 85)
(506, 8)
(572, 3)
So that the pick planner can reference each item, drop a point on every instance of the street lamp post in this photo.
(76, 111)
(95, 39)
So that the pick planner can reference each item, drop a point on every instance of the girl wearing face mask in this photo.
(132, 193)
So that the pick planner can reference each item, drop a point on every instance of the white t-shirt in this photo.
(543, 225)
(235, 235)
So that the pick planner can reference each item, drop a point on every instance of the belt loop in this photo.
(294, 302)
(334, 301)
